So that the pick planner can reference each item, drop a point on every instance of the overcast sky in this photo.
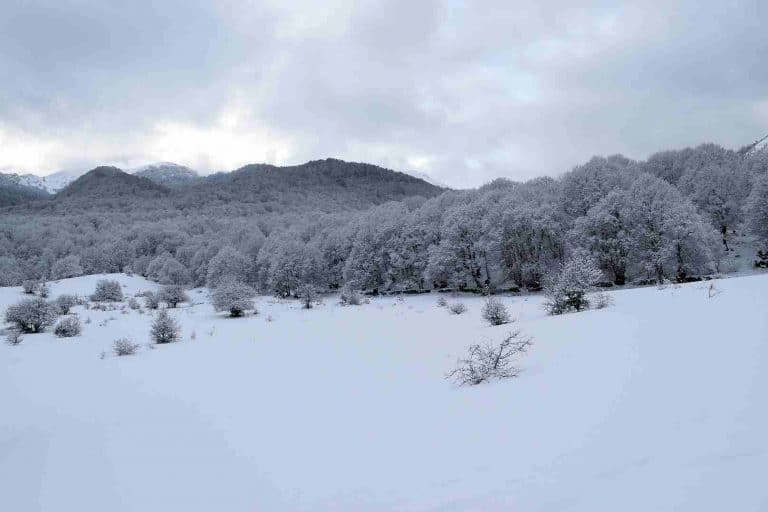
(462, 91)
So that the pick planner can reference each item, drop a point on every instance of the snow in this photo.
(656, 403)
(51, 183)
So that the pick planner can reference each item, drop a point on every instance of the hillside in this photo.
(655, 403)
(322, 185)
(106, 183)
(15, 190)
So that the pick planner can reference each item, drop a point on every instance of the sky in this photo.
(464, 92)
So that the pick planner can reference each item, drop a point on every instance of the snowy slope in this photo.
(51, 183)
(657, 403)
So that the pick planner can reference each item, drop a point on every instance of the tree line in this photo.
(672, 216)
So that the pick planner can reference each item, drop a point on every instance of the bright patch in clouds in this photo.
(223, 146)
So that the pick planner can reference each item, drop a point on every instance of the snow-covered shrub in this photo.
(43, 290)
(68, 266)
(31, 315)
(486, 361)
(30, 286)
(151, 300)
(494, 312)
(350, 297)
(600, 300)
(64, 303)
(173, 295)
(442, 302)
(107, 290)
(68, 327)
(568, 291)
(124, 347)
(233, 296)
(165, 329)
(457, 308)
(133, 303)
(13, 336)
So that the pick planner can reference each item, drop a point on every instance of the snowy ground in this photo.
(657, 403)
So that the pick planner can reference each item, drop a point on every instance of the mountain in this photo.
(50, 184)
(106, 183)
(15, 189)
(167, 174)
(322, 185)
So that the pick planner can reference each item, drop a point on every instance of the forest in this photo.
(330, 225)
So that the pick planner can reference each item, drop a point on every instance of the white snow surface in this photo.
(51, 183)
(656, 403)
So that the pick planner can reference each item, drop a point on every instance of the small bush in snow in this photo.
(31, 315)
(124, 347)
(68, 327)
(13, 336)
(600, 300)
(568, 292)
(164, 328)
(485, 362)
(43, 290)
(173, 295)
(133, 304)
(350, 297)
(107, 290)
(442, 302)
(30, 286)
(457, 308)
(494, 312)
(64, 303)
(233, 296)
(151, 300)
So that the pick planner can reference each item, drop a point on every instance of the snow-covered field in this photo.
(657, 403)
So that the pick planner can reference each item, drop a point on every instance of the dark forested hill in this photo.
(106, 183)
(323, 185)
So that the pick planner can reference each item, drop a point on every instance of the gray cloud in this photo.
(463, 91)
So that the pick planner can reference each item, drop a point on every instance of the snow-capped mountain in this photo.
(50, 184)
(168, 174)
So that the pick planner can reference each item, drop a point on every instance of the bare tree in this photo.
(485, 362)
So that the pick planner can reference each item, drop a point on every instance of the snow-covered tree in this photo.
(667, 235)
(173, 295)
(31, 315)
(107, 290)
(68, 266)
(718, 190)
(64, 303)
(603, 232)
(165, 329)
(460, 258)
(11, 273)
(228, 262)
(587, 184)
(233, 296)
(757, 210)
(568, 290)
